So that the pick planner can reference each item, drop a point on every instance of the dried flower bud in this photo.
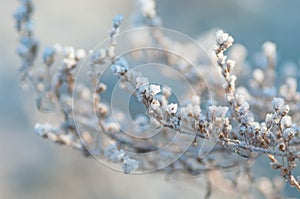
(48, 56)
(129, 165)
(278, 103)
(101, 88)
(113, 153)
(155, 104)
(195, 100)
(285, 110)
(258, 76)
(281, 146)
(42, 129)
(99, 56)
(286, 122)
(224, 39)
(69, 52)
(276, 165)
(175, 122)
(148, 8)
(113, 127)
(218, 111)
(117, 155)
(230, 64)
(154, 89)
(272, 158)
(102, 109)
(66, 139)
(269, 48)
(141, 81)
(70, 63)
(288, 134)
(298, 154)
(269, 120)
(166, 91)
(221, 37)
(119, 67)
(117, 20)
(196, 110)
(172, 109)
(221, 59)
(80, 54)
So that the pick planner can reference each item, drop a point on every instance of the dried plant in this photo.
(225, 136)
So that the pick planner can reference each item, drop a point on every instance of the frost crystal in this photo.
(167, 91)
(154, 89)
(42, 129)
(288, 133)
(172, 108)
(113, 153)
(148, 7)
(286, 121)
(195, 100)
(218, 111)
(230, 63)
(48, 55)
(80, 54)
(98, 56)
(224, 39)
(129, 165)
(117, 155)
(269, 120)
(258, 75)
(69, 52)
(120, 66)
(113, 127)
(141, 81)
(278, 103)
(221, 37)
(196, 110)
(191, 111)
(155, 104)
(221, 59)
(269, 48)
(117, 20)
(175, 122)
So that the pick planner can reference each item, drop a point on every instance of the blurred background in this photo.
(31, 167)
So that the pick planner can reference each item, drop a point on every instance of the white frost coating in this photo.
(172, 108)
(154, 89)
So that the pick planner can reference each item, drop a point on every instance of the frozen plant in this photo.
(246, 119)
